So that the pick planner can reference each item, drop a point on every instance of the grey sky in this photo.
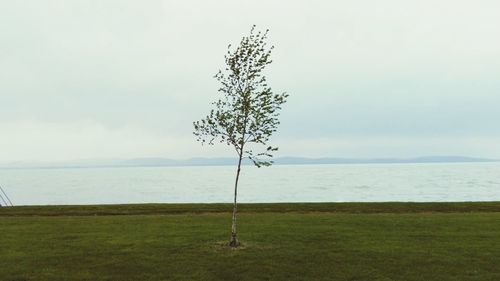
(121, 79)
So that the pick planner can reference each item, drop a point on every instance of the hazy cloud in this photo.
(101, 79)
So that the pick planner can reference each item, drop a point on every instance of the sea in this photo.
(426, 182)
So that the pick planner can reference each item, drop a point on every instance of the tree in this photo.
(246, 115)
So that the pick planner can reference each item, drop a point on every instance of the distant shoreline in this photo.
(228, 161)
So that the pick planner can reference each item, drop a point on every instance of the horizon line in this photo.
(229, 161)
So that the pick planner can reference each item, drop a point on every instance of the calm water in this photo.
(308, 183)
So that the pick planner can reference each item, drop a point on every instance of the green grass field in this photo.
(361, 241)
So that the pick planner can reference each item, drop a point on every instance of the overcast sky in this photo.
(124, 79)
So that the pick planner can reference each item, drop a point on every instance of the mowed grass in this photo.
(428, 242)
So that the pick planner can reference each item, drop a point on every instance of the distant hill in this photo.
(426, 159)
(227, 161)
(224, 161)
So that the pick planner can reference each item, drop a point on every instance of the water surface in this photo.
(294, 183)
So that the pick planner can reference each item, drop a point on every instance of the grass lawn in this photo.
(362, 241)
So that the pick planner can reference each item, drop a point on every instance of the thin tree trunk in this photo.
(234, 240)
